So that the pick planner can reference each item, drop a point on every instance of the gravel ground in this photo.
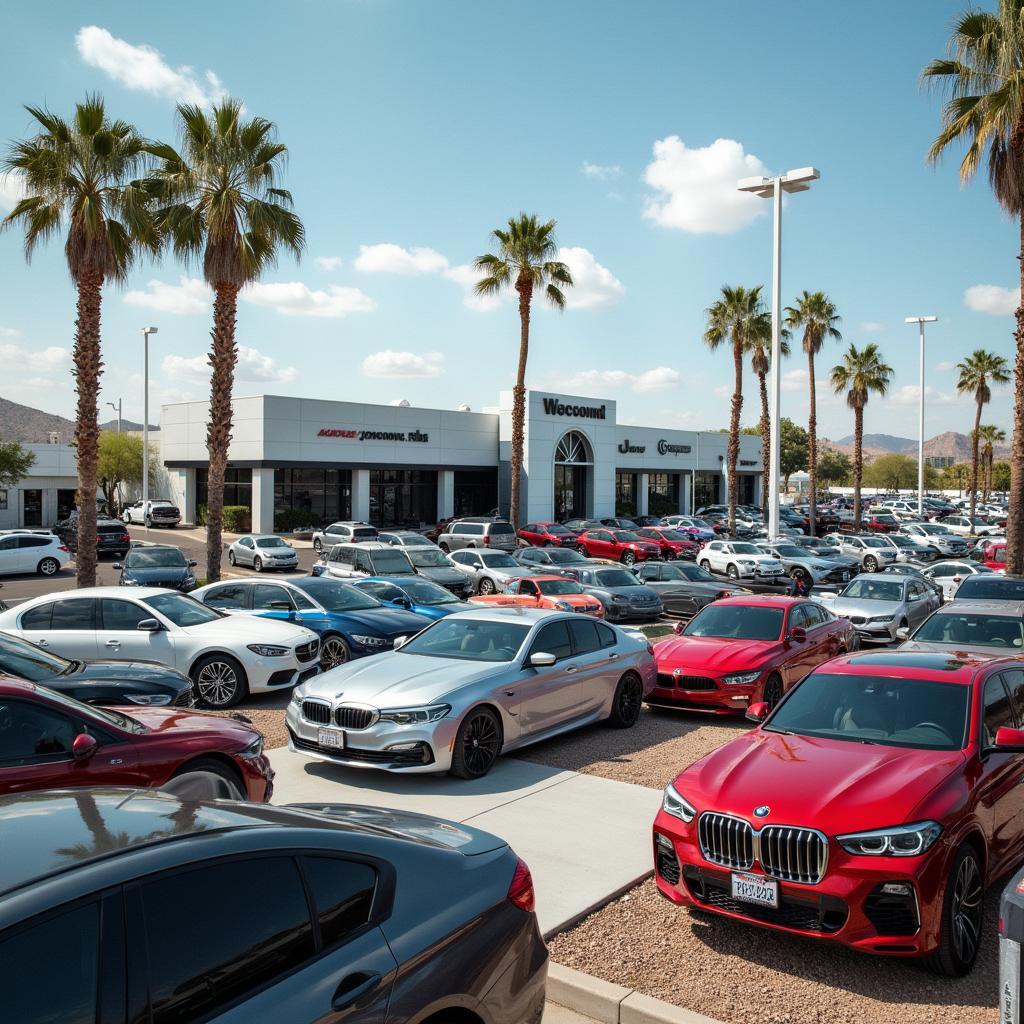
(739, 973)
(266, 712)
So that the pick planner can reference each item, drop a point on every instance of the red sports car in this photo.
(871, 808)
(881, 522)
(49, 741)
(741, 650)
(548, 535)
(673, 544)
(621, 545)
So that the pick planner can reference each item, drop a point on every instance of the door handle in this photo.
(613, 657)
(510, 693)
(43, 643)
(352, 988)
(113, 643)
(571, 668)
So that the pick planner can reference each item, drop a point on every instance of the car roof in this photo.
(503, 613)
(396, 581)
(264, 536)
(96, 592)
(762, 600)
(1004, 609)
(886, 577)
(961, 668)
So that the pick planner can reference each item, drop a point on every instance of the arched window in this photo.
(573, 450)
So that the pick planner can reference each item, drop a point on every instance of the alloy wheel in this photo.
(49, 566)
(480, 744)
(630, 699)
(217, 683)
(967, 910)
(628, 558)
(317, 545)
(486, 586)
(871, 564)
(334, 652)
(257, 564)
(773, 692)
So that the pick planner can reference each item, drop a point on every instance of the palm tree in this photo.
(78, 176)
(730, 319)
(219, 205)
(985, 112)
(976, 371)
(525, 260)
(859, 374)
(758, 343)
(991, 435)
(817, 315)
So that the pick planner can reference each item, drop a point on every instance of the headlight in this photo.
(620, 598)
(741, 678)
(254, 750)
(148, 698)
(268, 650)
(674, 803)
(129, 582)
(564, 606)
(898, 841)
(298, 695)
(370, 641)
(746, 561)
(415, 716)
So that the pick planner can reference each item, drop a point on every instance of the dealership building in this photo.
(395, 465)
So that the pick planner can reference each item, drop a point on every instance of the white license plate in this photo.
(334, 739)
(755, 889)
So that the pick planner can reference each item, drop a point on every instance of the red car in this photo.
(993, 554)
(881, 522)
(672, 543)
(548, 535)
(49, 741)
(738, 651)
(871, 808)
(621, 545)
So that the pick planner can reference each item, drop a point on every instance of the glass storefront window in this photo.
(403, 497)
(476, 492)
(317, 496)
(625, 494)
(237, 487)
(707, 489)
(663, 494)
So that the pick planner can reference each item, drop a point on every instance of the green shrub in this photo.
(237, 519)
(200, 515)
(289, 519)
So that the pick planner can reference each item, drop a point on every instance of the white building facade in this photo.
(47, 494)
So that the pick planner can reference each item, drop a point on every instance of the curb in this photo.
(608, 1003)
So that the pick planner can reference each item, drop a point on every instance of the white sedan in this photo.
(949, 575)
(226, 657)
(740, 560)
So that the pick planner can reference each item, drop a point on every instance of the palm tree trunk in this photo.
(812, 450)
(766, 446)
(734, 429)
(525, 288)
(974, 462)
(88, 365)
(858, 463)
(223, 356)
(1015, 524)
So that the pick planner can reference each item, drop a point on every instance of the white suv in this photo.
(740, 560)
(26, 551)
(370, 558)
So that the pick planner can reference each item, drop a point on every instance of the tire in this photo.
(732, 572)
(148, 522)
(126, 518)
(334, 651)
(548, 544)
(477, 745)
(48, 567)
(772, 692)
(581, 550)
(231, 557)
(626, 703)
(205, 779)
(445, 548)
(318, 545)
(219, 681)
(257, 564)
(486, 586)
(705, 565)
(963, 898)
(628, 558)
(871, 564)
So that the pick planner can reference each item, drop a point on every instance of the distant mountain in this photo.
(126, 425)
(33, 426)
(882, 442)
(949, 445)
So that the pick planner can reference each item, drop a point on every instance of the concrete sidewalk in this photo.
(585, 838)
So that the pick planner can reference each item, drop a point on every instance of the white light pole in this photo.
(772, 188)
(117, 409)
(920, 321)
(146, 332)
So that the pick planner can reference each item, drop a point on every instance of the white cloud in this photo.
(603, 172)
(9, 332)
(593, 285)
(990, 298)
(661, 378)
(16, 358)
(253, 366)
(143, 68)
(697, 187)
(293, 298)
(328, 262)
(403, 364)
(388, 258)
(945, 365)
(871, 327)
(12, 189)
(723, 391)
(910, 394)
(794, 380)
(190, 296)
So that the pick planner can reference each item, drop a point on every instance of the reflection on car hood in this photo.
(633, 592)
(174, 723)
(954, 650)
(143, 671)
(694, 654)
(869, 609)
(253, 629)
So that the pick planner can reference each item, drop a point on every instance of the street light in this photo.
(772, 188)
(146, 332)
(920, 321)
(117, 409)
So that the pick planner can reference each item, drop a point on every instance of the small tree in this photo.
(834, 467)
(120, 463)
(15, 462)
(793, 449)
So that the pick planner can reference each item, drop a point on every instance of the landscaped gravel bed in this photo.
(266, 713)
(740, 973)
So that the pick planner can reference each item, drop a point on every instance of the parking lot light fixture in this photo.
(920, 321)
(798, 180)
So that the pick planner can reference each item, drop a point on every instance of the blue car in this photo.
(414, 594)
(351, 623)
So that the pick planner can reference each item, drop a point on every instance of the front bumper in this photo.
(634, 613)
(880, 632)
(701, 693)
(274, 673)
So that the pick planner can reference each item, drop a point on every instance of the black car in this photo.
(684, 588)
(112, 537)
(153, 908)
(619, 523)
(95, 682)
(157, 565)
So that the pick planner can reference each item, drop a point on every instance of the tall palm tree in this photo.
(991, 435)
(758, 343)
(78, 177)
(976, 372)
(220, 206)
(859, 374)
(985, 113)
(524, 260)
(730, 320)
(816, 314)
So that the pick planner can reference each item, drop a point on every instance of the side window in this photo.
(122, 614)
(473, 559)
(528, 587)
(33, 734)
(266, 595)
(8, 543)
(50, 971)
(1014, 680)
(798, 617)
(342, 894)
(382, 591)
(584, 635)
(38, 617)
(224, 943)
(460, 557)
(362, 562)
(553, 639)
(531, 528)
(32, 542)
(998, 711)
(301, 602)
(246, 543)
(231, 595)
(78, 613)
(343, 554)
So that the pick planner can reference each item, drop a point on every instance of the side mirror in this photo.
(149, 626)
(83, 746)
(678, 628)
(192, 563)
(798, 634)
(903, 633)
(541, 659)
(757, 712)
(400, 641)
(1010, 740)
(403, 602)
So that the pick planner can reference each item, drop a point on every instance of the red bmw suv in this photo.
(673, 544)
(547, 535)
(871, 808)
(621, 545)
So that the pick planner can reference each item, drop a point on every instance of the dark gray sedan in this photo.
(154, 908)
(624, 597)
(684, 588)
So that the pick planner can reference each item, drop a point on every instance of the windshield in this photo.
(154, 558)
(885, 517)
(181, 610)
(415, 540)
(271, 542)
(564, 556)
(902, 542)
(989, 587)
(874, 542)
(390, 562)
(554, 528)
(616, 578)
(918, 713)
(874, 590)
(26, 661)
(466, 639)
(428, 558)
(701, 524)
(789, 551)
(933, 530)
(498, 560)
(426, 593)
(559, 587)
(626, 536)
(737, 622)
(674, 535)
(969, 629)
(335, 596)
(746, 549)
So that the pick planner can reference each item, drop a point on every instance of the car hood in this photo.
(233, 733)
(828, 784)
(869, 609)
(632, 592)
(389, 622)
(253, 629)
(157, 574)
(442, 574)
(512, 574)
(957, 651)
(135, 671)
(712, 654)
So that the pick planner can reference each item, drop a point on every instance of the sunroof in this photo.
(937, 662)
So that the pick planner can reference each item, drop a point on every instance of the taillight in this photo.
(65, 549)
(487, 541)
(650, 647)
(520, 892)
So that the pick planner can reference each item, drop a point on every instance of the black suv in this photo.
(112, 537)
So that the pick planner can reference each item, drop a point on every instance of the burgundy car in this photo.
(621, 545)
(547, 535)
(49, 741)
(673, 544)
(881, 522)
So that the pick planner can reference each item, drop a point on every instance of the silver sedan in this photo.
(263, 551)
(470, 687)
(880, 604)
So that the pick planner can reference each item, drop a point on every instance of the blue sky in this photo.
(414, 128)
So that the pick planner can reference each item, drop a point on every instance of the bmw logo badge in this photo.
(762, 812)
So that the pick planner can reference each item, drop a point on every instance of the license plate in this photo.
(755, 889)
(331, 738)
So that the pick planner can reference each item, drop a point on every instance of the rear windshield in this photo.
(501, 528)
(364, 532)
(983, 587)
(1000, 632)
